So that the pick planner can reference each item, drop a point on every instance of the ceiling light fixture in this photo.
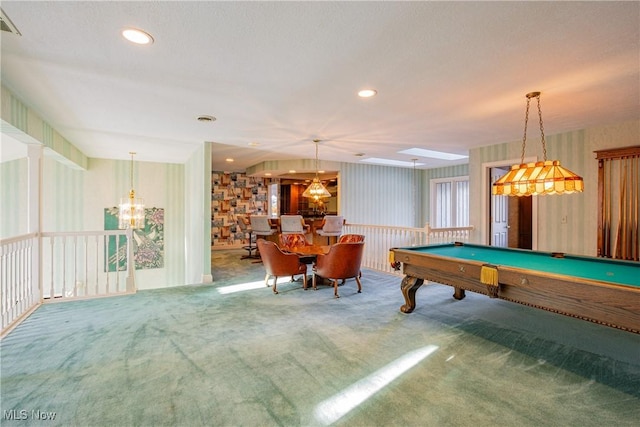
(137, 36)
(131, 212)
(367, 93)
(538, 178)
(316, 190)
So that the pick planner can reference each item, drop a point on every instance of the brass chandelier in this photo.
(131, 212)
(537, 178)
(316, 190)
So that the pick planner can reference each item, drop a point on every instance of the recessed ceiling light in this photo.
(229, 160)
(254, 144)
(432, 154)
(367, 93)
(206, 119)
(137, 36)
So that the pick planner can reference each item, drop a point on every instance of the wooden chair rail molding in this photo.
(618, 200)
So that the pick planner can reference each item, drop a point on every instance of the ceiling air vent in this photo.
(7, 25)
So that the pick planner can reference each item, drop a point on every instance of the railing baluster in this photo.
(379, 239)
(51, 266)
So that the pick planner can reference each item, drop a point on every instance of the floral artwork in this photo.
(148, 242)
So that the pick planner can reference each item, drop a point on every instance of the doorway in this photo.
(511, 219)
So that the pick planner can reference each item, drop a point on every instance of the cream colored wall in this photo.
(103, 185)
(378, 195)
(566, 223)
(13, 202)
(197, 194)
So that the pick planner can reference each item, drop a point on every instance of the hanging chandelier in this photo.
(131, 213)
(316, 190)
(537, 178)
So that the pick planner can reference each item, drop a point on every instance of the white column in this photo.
(34, 216)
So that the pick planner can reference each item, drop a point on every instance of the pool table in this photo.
(601, 290)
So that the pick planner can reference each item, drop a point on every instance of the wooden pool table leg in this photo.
(458, 293)
(409, 286)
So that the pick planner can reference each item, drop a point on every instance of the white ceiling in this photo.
(450, 76)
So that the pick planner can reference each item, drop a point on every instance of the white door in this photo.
(499, 214)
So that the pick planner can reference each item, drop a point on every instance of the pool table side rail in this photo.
(601, 302)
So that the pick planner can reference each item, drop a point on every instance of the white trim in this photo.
(484, 197)
(433, 196)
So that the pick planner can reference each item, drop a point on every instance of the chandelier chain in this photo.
(316, 158)
(524, 137)
(544, 145)
(131, 170)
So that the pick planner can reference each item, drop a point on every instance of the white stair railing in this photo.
(84, 264)
(61, 266)
(19, 289)
(380, 238)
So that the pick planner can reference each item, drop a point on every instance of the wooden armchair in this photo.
(278, 263)
(342, 262)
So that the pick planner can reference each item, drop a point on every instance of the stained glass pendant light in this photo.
(316, 190)
(537, 178)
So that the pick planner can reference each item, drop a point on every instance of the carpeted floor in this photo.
(235, 354)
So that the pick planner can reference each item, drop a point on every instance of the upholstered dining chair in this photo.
(289, 241)
(293, 224)
(278, 264)
(260, 226)
(331, 227)
(293, 240)
(341, 262)
(351, 238)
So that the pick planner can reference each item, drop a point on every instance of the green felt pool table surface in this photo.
(602, 269)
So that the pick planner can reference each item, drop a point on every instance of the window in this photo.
(273, 200)
(450, 202)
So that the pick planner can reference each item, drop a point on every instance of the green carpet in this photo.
(216, 355)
